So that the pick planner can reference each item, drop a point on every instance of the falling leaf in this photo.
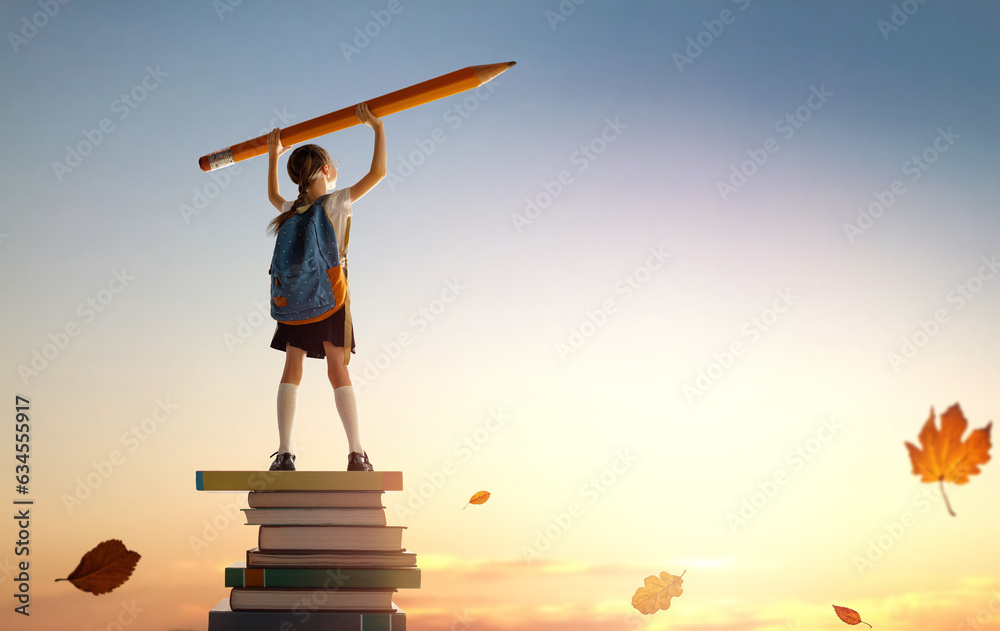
(104, 568)
(945, 458)
(479, 497)
(657, 592)
(849, 615)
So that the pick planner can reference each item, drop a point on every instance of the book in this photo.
(287, 599)
(338, 538)
(328, 559)
(223, 618)
(315, 516)
(239, 575)
(299, 480)
(315, 499)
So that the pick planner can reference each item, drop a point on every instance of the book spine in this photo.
(323, 578)
(385, 539)
(296, 599)
(223, 618)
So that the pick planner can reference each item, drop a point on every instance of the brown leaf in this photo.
(479, 497)
(657, 592)
(848, 615)
(104, 568)
(945, 457)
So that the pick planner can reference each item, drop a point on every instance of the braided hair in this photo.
(304, 165)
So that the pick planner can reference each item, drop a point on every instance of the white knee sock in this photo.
(287, 394)
(347, 406)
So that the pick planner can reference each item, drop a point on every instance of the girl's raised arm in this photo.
(274, 150)
(378, 169)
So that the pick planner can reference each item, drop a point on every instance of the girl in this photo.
(311, 168)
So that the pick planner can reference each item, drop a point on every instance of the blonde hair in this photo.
(304, 164)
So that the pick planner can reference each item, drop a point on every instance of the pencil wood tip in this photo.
(488, 72)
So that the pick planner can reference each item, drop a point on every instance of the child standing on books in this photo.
(310, 167)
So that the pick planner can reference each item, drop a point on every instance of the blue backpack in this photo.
(308, 283)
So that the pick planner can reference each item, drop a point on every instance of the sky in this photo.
(675, 289)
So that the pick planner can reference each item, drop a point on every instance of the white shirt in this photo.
(338, 208)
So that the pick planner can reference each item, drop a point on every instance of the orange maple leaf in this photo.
(849, 615)
(945, 458)
(104, 568)
(657, 592)
(479, 497)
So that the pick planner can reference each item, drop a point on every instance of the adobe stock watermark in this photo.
(591, 491)
(229, 514)
(581, 158)
(796, 458)
(563, 11)
(123, 106)
(626, 286)
(914, 169)
(434, 481)
(247, 325)
(700, 42)
(787, 126)
(900, 15)
(202, 196)
(959, 296)
(453, 118)
(419, 321)
(896, 529)
(38, 20)
(131, 439)
(222, 7)
(364, 34)
(635, 620)
(88, 309)
(985, 616)
(312, 601)
(463, 621)
(752, 330)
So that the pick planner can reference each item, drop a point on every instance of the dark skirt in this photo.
(310, 337)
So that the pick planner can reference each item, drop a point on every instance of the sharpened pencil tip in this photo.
(510, 64)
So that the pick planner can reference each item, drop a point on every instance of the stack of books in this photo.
(324, 559)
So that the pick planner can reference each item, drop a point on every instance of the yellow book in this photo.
(299, 480)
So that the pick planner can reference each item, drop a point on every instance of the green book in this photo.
(299, 480)
(239, 575)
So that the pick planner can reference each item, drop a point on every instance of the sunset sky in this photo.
(675, 289)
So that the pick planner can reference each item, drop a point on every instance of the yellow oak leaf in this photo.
(657, 592)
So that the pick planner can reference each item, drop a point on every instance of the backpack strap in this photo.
(347, 326)
(348, 338)
(347, 238)
(319, 200)
(347, 299)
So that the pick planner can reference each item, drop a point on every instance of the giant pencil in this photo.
(431, 90)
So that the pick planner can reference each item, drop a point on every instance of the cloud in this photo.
(504, 569)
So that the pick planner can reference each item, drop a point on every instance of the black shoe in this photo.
(359, 462)
(284, 462)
